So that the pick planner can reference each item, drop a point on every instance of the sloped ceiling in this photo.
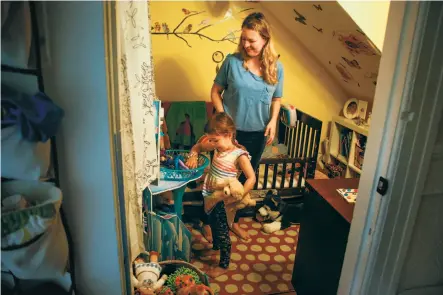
(335, 40)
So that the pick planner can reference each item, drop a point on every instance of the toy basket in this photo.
(183, 174)
(170, 266)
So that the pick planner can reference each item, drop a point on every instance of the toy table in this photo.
(178, 190)
(166, 233)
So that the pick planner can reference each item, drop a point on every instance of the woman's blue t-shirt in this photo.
(247, 97)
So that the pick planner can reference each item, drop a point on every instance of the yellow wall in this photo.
(185, 73)
(371, 17)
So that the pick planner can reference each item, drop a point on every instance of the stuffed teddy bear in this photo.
(148, 275)
(231, 191)
(233, 188)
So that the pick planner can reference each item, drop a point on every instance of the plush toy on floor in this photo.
(272, 213)
(148, 274)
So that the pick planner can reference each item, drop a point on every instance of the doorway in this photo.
(192, 92)
(194, 37)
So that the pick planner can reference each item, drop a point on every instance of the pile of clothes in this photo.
(28, 122)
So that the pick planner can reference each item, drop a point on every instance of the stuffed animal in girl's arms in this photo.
(231, 191)
(235, 187)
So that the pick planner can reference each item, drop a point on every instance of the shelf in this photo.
(355, 169)
(11, 69)
(348, 123)
(341, 158)
(344, 145)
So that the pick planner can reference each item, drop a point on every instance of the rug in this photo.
(261, 266)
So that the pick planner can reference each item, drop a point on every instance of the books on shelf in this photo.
(345, 142)
(349, 194)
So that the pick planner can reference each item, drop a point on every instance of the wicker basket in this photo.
(183, 175)
(170, 266)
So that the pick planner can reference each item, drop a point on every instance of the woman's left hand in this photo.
(270, 132)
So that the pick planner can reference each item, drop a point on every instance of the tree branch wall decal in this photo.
(163, 29)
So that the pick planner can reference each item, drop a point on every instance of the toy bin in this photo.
(177, 174)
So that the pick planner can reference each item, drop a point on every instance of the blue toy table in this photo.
(178, 190)
(166, 233)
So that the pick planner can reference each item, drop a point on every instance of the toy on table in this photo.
(349, 194)
(165, 142)
(148, 275)
(172, 162)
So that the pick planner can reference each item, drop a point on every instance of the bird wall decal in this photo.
(300, 18)
(318, 7)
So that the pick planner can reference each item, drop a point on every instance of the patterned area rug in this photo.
(261, 266)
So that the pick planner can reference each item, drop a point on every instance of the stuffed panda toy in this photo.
(272, 213)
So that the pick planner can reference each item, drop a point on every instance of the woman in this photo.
(249, 88)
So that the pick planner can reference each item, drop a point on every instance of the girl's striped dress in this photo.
(224, 165)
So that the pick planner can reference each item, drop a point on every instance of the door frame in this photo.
(424, 107)
(389, 118)
(110, 37)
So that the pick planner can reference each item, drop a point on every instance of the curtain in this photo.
(136, 112)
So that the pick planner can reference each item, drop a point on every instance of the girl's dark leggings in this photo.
(220, 233)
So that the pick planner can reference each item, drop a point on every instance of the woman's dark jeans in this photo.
(255, 143)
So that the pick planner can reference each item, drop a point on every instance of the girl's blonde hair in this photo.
(256, 21)
(222, 124)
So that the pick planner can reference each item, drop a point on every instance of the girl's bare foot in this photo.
(206, 252)
(241, 233)
(216, 271)
(207, 233)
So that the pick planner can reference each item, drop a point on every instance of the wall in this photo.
(337, 43)
(76, 81)
(185, 72)
(364, 13)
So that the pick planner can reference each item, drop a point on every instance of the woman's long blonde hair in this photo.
(256, 21)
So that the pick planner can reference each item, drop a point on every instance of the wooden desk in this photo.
(323, 237)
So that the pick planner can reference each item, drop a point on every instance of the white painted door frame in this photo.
(424, 109)
(387, 125)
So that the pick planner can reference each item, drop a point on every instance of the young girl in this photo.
(230, 160)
